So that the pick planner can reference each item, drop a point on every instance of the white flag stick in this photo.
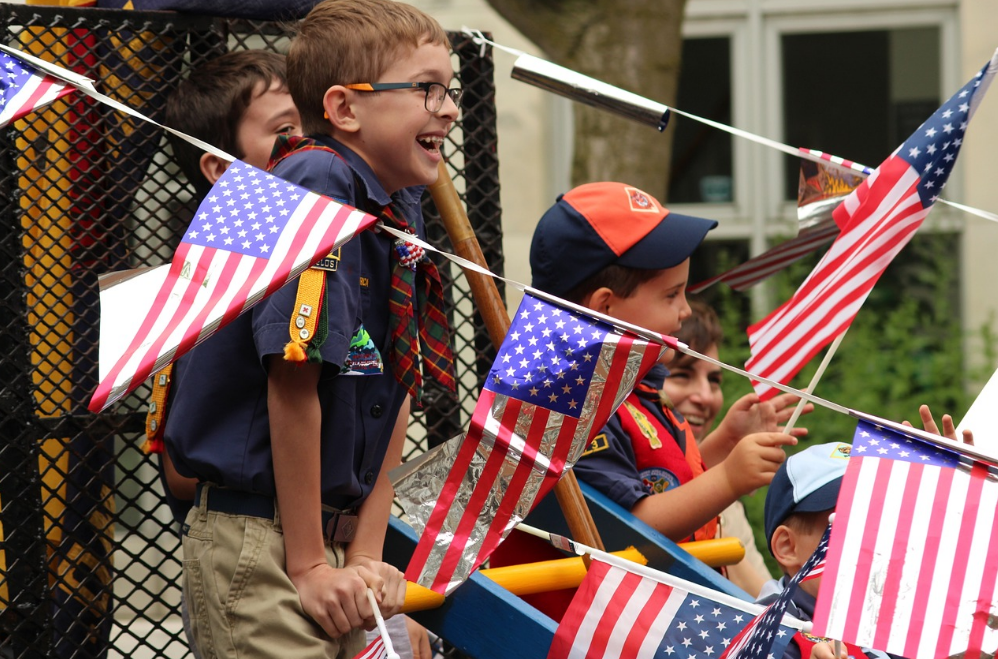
(378, 618)
(814, 380)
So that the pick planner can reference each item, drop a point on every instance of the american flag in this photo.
(745, 276)
(556, 380)
(252, 234)
(757, 640)
(23, 89)
(916, 574)
(629, 612)
(876, 221)
(375, 650)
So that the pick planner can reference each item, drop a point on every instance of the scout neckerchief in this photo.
(425, 336)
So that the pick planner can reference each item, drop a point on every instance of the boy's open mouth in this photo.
(430, 143)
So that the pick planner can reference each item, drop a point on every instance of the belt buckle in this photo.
(341, 528)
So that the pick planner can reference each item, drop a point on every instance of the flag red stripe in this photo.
(229, 268)
(34, 98)
(162, 297)
(511, 497)
(645, 618)
(480, 494)
(843, 510)
(451, 486)
(571, 622)
(871, 527)
(985, 596)
(758, 268)
(866, 233)
(842, 260)
(937, 517)
(776, 353)
(621, 596)
(958, 573)
(892, 586)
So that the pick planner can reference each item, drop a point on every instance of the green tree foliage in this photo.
(904, 348)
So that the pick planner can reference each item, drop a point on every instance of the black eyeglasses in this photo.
(434, 91)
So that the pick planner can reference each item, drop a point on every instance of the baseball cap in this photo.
(600, 224)
(806, 482)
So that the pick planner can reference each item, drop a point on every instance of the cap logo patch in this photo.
(841, 451)
(640, 202)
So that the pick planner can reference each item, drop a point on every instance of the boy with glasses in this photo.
(295, 442)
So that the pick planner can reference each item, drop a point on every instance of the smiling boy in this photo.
(287, 533)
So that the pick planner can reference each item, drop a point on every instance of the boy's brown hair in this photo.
(623, 281)
(211, 102)
(343, 42)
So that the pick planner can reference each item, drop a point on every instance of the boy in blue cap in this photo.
(615, 249)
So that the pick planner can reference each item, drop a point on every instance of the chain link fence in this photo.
(89, 552)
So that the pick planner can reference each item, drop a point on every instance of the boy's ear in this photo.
(599, 300)
(784, 547)
(340, 111)
(213, 167)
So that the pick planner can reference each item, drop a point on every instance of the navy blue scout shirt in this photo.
(218, 427)
(612, 466)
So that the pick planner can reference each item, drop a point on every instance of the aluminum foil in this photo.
(822, 187)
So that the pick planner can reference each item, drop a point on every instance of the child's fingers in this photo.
(928, 423)
(968, 437)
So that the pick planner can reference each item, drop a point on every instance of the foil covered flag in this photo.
(559, 375)
(252, 234)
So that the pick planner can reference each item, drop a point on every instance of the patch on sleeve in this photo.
(363, 357)
(658, 479)
(599, 443)
(330, 262)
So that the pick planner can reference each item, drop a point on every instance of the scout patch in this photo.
(330, 262)
(658, 479)
(646, 427)
(363, 357)
(599, 443)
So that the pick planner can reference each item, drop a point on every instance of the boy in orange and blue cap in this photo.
(615, 249)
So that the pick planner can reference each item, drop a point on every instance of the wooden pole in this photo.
(490, 305)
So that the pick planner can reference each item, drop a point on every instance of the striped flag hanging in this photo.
(252, 234)
(746, 275)
(876, 220)
(628, 612)
(916, 574)
(558, 377)
(23, 89)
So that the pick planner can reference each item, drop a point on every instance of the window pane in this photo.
(701, 156)
(857, 95)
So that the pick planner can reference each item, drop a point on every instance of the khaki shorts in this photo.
(242, 603)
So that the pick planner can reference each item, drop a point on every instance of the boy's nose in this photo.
(449, 110)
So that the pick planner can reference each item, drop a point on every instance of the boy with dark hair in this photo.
(287, 532)
(615, 249)
(238, 102)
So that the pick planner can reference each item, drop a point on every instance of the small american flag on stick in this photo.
(252, 234)
(915, 575)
